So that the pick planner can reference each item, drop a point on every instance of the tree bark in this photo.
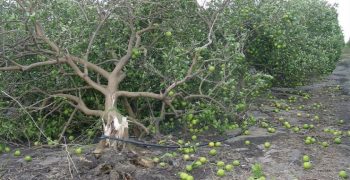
(114, 125)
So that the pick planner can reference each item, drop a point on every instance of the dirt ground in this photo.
(329, 103)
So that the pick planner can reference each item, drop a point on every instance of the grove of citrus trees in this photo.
(150, 67)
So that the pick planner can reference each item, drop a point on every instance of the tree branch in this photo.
(80, 104)
(40, 33)
(85, 77)
(124, 60)
(195, 58)
(92, 39)
(139, 94)
(92, 66)
(188, 76)
(132, 115)
(19, 67)
(67, 124)
(71, 89)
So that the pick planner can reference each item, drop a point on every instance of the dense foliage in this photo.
(293, 40)
(238, 48)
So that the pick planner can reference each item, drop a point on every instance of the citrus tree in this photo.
(150, 63)
(289, 42)
(138, 67)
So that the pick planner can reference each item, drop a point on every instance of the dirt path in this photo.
(284, 159)
(329, 103)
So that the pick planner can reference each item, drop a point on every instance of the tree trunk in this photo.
(114, 125)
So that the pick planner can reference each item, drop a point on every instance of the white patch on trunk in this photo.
(120, 127)
(113, 99)
(114, 125)
(115, 128)
(107, 130)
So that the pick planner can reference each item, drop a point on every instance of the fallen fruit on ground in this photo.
(186, 157)
(236, 163)
(197, 163)
(162, 164)
(325, 144)
(306, 126)
(264, 125)
(220, 164)
(189, 167)
(217, 144)
(183, 176)
(211, 144)
(308, 141)
(36, 143)
(212, 152)
(17, 153)
(228, 167)
(271, 130)
(220, 173)
(203, 160)
(296, 129)
(156, 160)
(337, 140)
(306, 158)
(78, 151)
(343, 174)
(307, 165)
(28, 158)
(189, 177)
(7, 149)
(267, 145)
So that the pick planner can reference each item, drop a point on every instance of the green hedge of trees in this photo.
(294, 40)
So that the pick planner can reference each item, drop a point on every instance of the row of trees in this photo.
(145, 66)
(295, 40)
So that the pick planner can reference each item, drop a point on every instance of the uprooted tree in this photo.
(147, 60)
(142, 65)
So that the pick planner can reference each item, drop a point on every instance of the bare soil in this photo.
(283, 160)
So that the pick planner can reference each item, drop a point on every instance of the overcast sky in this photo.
(343, 12)
(344, 16)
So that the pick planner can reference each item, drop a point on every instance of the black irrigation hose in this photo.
(140, 143)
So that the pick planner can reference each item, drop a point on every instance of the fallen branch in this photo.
(67, 124)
